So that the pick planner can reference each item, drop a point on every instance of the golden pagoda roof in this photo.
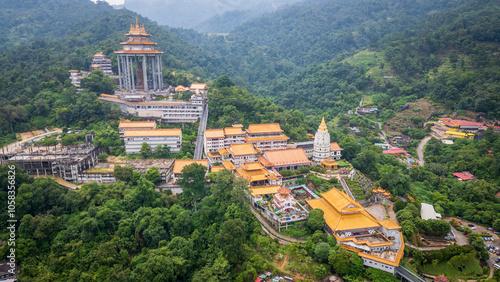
(284, 190)
(322, 126)
(137, 30)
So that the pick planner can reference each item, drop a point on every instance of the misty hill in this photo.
(202, 15)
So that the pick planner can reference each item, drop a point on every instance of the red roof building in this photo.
(393, 151)
(464, 176)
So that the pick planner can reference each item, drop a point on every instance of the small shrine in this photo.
(283, 201)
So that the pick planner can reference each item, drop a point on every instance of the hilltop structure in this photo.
(323, 148)
(139, 63)
(142, 92)
(100, 61)
(378, 242)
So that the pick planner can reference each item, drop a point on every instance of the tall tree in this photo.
(193, 182)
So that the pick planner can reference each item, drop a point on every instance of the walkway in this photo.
(273, 231)
(62, 182)
(408, 275)
(12, 148)
(420, 148)
(198, 151)
(305, 188)
(346, 188)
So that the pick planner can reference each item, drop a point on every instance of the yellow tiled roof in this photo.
(153, 132)
(286, 157)
(389, 224)
(231, 131)
(322, 126)
(135, 124)
(254, 175)
(342, 213)
(255, 139)
(264, 162)
(214, 133)
(216, 168)
(180, 88)
(200, 86)
(242, 149)
(228, 165)
(213, 154)
(223, 152)
(252, 166)
(334, 146)
(264, 190)
(264, 128)
(180, 164)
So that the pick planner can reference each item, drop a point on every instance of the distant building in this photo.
(307, 146)
(464, 176)
(284, 201)
(243, 153)
(75, 77)
(382, 145)
(257, 175)
(199, 87)
(366, 110)
(99, 61)
(135, 125)
(153, 137)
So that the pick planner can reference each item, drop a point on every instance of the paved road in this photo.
(420, 148)
(346, 188)
(198, 151)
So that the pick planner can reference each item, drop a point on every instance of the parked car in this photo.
(496, 266)
(496, 232)
(470, 225)
(490, 229)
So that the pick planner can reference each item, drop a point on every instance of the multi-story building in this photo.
(135, 125)
(141, 92)
(171, 137)
(243, 153)
(285, 159)
(218, 139)
(99, 61)
(378, 242)
(266, 136)
(284, 201)
(335, 151)
(257, 175)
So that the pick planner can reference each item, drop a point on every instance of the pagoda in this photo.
(139, 64)
(321, 149)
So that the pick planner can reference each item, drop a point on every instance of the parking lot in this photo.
(480, 230)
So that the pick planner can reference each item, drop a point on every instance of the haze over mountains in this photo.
(204, 16)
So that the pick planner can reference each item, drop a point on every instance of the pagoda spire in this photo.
(322, 126)
(136, 23)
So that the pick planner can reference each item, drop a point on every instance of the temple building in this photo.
(135, 125)
(323, 148)
(142, 92)
(266, 136)
(285, 159)
(100, 61)
(257, 175)
(378, 242)
(171, 137)
(284, 201)
(139, 64)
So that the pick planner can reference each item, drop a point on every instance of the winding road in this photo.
(420, 148)
(382, 132)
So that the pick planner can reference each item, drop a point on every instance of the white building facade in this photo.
(321, 149)
(153, 137)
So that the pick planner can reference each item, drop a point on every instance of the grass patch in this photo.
(472, 269)
(343, 163)
(367, 100)
(295, 230)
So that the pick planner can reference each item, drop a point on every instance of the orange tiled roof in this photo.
(180, 164)
(138, 52)
(254, 139)
(252, 166)
(136, 124)
(264, 162)
(153, 132)
(286, 157)
(231, 131)
(334, 146)
(266, 190)
(228, 165)
(213, 154)
(214, 133)
(242, 149)
(200, 86)
(389, 224)
(342, 213)
(139, 43)
(264, 128)
(223, 152)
